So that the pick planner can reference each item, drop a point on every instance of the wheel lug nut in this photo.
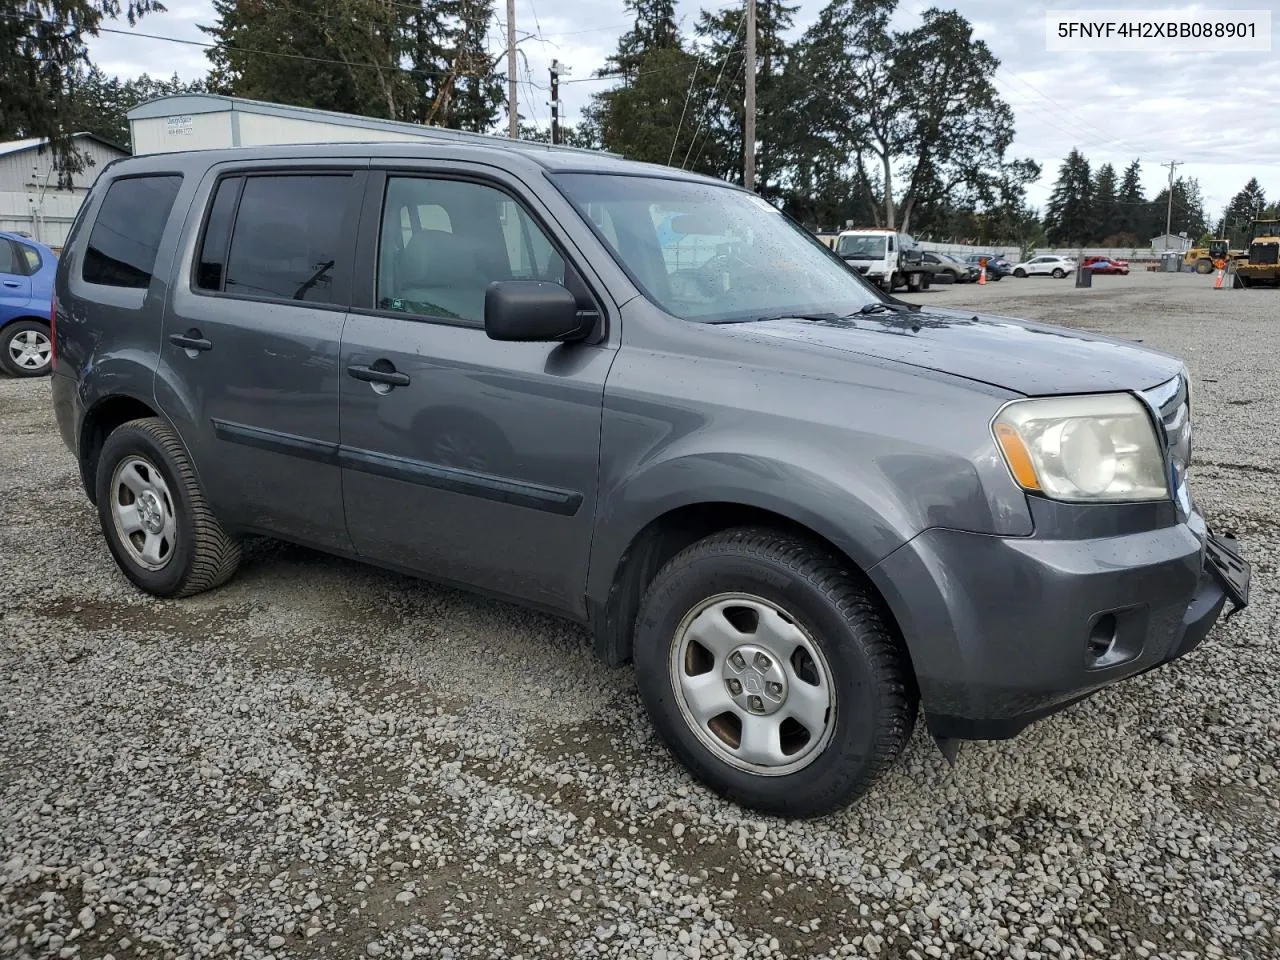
(756, 704)
(762, 662)
(737, 660)
(775, 688)
(735, 687)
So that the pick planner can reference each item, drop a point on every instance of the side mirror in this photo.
(534, 311)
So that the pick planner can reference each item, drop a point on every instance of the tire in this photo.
(954, 275)
(192, 552)
(1204, 267)
(834, 627)
(996, 278)
(1020, 273)
(1058, 273)
(25, 349)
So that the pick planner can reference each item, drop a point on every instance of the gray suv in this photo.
(646, 401)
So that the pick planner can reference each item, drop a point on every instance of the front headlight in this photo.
(1099, 449)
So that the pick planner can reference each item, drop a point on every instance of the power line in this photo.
(715, 88)
(242, 50)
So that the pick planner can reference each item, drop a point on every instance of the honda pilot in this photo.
(647, 401)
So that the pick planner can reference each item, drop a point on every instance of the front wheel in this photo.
(26, 349)
(772, 672)
(1019, 273)
(154, 516)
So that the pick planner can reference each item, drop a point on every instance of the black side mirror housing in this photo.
(534, 311)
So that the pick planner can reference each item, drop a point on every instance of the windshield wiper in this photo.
(880, 307)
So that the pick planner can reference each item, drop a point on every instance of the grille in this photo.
(1264, 252)
(1172, 403)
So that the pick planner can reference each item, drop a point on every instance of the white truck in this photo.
(885, 257)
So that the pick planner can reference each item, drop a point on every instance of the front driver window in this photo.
(444, 241)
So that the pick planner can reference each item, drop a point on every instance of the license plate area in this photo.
(1232, 571)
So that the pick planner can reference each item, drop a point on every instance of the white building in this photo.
(31, 199)
(1167, 241)
(209, 121)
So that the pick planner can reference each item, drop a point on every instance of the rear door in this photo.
(467, 460)
(249, 358)
(15, 285)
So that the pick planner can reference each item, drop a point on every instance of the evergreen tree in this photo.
(42, 51)
(426, 61)
(1069, 217)
(654, 29)
(1106, 210)
(1133, 207)
(722, 39)
(1245, 207)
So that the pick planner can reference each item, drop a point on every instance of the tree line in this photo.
(858, 120)
(1104, 209)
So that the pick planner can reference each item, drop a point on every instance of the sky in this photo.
(1216, 113)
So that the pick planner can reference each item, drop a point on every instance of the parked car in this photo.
(1045, 266)
(803, 508)
(952, 269)
(1106, 265)
(26, 290)
(997, 266)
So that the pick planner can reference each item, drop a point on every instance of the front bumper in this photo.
(1004, 631)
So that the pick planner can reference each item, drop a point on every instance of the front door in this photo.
(465, 459)
(249, 359)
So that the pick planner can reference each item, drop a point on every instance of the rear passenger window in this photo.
(32, 256)
(126, 236)
(286, 237)
(8, 261)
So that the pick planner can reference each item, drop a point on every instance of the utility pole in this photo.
(749, 107)
(513, 128)
(1168, 217)
(557, 69)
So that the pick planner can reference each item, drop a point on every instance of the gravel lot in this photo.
(322, 759)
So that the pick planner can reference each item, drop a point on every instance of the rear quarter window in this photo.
(125, 238)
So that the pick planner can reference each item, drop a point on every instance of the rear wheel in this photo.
(1204, 266)
(154, 516)
(772, 672)
(1058, 273)
(26, 349)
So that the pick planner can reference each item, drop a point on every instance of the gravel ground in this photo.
(322, 759)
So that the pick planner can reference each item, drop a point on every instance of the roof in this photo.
(197, 103)
(34, 143)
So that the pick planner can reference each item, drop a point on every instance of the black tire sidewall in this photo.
(124, 442)
(858, 713)
(7, 333)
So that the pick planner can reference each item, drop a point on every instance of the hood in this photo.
(1028, 358)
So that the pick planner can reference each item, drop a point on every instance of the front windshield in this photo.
(713, 254)
(861, 248)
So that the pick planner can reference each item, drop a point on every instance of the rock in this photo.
(275, 942)
(374, 949)
(86, 918)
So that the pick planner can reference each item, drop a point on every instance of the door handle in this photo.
(391, 378)
(191, 340)
(12, 283)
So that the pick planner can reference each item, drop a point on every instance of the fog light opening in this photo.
(1102, 636)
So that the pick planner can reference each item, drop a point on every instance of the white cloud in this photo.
(1211, 111)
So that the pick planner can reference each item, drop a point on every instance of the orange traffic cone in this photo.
(1217, 283)
(982, 275)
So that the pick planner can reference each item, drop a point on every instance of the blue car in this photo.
(26, 294)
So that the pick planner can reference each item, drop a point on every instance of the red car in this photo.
(1107, 265)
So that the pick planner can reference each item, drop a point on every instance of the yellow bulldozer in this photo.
(1262, 264)
(1204, 259)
